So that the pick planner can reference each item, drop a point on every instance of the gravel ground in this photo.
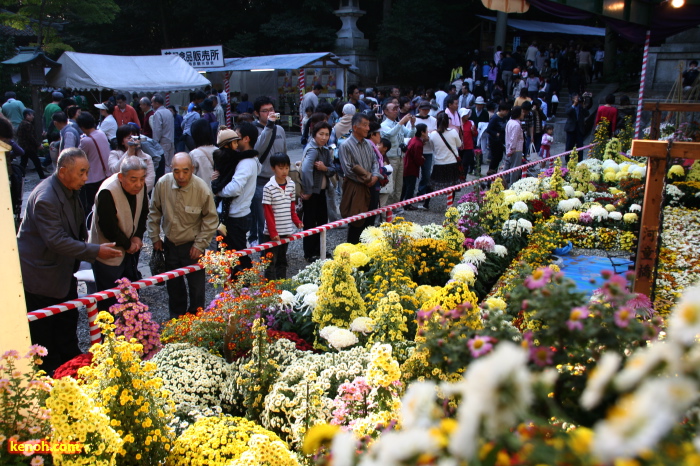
(156, 296)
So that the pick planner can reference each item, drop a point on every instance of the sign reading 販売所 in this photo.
(199, 57)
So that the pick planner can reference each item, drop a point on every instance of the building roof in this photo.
(290, 61)
(554, 28)
(29, 55)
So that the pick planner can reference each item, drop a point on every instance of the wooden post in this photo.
(658, 153)
(14, 333)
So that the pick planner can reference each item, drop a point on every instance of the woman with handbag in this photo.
(316, 169)
(447, 165)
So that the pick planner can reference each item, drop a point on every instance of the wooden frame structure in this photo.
(658, 153)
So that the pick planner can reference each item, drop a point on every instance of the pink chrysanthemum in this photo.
(577, 315)
(541, 355)
(539, 278)
(479, 346)
(623, 316)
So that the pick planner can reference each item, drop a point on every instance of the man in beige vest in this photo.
(119, 216)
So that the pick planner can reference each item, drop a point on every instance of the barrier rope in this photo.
(90, 301)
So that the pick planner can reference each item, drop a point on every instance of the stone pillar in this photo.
(501, 23)
(352, 45)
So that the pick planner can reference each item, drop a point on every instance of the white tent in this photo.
(156, 73)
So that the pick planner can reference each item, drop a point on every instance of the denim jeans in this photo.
(425, 171)
(257, 214)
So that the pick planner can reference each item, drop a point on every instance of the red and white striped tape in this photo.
(640, 100)
(90, 301)
(167, 99)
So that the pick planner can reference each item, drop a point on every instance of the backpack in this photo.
(336, 154)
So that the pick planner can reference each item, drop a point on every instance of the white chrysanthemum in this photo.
(287, 298)
(569, 191)
(643, 418)
(644, 361)
(599, 378)
(398, 447)
(432, 231)
(525, 225)
(370, 234)
(565, 205)
(307, 288)
(635, 208)
(416, 231)
(519, 207)
(594, 165)
(684, 321)
(310, 301)
(326, 332)
(341, 338)
(486, 411)
(474, 256)
(610, 164)
(575, 203)
(363, 325)
(529, 184)
(418, 405)
(638, 172)
(615, 216)
(598, 212)
(500, 251)
(464, 273)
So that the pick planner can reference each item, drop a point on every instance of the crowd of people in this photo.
(146, 171)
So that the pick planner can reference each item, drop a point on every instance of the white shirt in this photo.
(109, 127)
(441, 154)
(440, 97)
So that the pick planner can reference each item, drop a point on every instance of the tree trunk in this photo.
(386, 9)
(610, 60)
(163, 25)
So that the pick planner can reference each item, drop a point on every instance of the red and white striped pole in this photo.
(645, 60)
(302, 83)
(167, 99)
(227, 90)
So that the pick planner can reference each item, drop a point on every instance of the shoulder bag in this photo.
(460, 167)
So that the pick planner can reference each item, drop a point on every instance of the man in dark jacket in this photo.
(51, 242)
(575, 126)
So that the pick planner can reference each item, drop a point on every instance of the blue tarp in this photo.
(583, 269)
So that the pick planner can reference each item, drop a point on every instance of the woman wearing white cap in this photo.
(108, 125)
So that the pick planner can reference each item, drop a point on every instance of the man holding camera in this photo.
(396, 131)
(271, 140)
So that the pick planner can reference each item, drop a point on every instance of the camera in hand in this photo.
(403, 147)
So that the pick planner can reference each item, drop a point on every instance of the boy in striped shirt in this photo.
(280, 214)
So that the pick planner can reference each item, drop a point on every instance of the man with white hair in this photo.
(119, 216)
(147, 110)
(182, 208)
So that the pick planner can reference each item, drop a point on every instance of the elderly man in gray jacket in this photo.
(51, 243)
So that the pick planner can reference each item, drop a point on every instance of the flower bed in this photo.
(437, 344)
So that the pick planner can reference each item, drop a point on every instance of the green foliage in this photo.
(600, 138)
(401, 54)
(47, 17)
